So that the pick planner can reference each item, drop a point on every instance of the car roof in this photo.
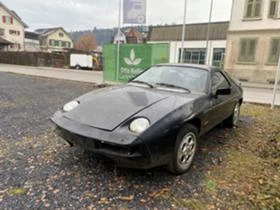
(205, 67)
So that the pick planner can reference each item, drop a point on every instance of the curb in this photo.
(261, 86)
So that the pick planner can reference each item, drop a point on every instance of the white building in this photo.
(54, 39)
(253, 43)
(195, 44)
(119, 38)
(11, 30)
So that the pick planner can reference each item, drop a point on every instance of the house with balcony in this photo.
(11, 30)
(54, 40)
(31, 42)
(253, 41)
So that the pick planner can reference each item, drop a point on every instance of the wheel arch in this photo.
(195, 121)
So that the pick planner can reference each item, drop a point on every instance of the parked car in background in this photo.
(156, 119)
(81, 61)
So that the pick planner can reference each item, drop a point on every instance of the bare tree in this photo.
(87, 42)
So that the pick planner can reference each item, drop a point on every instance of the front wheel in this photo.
(184, 150)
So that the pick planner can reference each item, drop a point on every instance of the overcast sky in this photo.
(87, 14)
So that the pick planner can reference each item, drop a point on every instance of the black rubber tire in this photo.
(78, 67)
(230, 122)
(173, 166)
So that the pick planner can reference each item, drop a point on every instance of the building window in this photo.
(50, 42)
(14, 32)
(69, 44)
(63, 44)
(193, 55)
(247, 50)
(2, 31)
(56, 43)
(60, 34)
(7, 20)
(253, 8)
(15, 46)
(218, 57)
(274, 9)
(274, 51)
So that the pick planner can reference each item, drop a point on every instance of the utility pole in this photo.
(183, 32)
(118, 40)
(207, 57)
(275, 84)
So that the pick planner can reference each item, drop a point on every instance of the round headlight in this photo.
(69, 106)
(139, 125)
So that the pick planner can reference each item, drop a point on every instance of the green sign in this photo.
(134, 58)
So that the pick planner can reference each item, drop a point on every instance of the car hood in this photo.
(108, 108)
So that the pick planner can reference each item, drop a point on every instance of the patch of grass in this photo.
(210, 184)
(250, 170)
(192, 203)
(16, 191)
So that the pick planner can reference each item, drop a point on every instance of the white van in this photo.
(81, 61)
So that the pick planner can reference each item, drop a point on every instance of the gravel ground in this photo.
(40, 171)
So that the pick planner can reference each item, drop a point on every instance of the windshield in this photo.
(188, 78)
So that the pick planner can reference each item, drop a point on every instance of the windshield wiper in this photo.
(143, 82)
(172, 86)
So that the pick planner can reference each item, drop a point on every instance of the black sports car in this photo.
(155, 119)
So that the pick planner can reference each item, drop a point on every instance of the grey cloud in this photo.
(86, 14)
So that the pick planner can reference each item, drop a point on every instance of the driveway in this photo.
(40, 171)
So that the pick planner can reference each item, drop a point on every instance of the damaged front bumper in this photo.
(116, 146)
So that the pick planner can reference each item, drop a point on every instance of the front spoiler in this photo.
(110, 144)
(91, 132)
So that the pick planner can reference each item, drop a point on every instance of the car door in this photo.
(222, 105)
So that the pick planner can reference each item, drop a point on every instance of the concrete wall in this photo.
(258, 71)
(17, 39)
(263, 29)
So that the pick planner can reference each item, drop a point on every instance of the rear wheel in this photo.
(78, 67)
(184, 150)
(232, 121)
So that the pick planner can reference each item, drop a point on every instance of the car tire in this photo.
(78, 67)
(232, 121)
(184, 150)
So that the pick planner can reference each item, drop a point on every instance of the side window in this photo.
(219, 81)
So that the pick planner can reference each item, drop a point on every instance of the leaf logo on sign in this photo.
(132, 61)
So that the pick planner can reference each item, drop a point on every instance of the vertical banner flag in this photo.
(134, 11)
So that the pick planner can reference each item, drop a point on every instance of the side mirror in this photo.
(223, 91)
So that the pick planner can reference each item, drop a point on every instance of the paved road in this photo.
(260, 95)
(251, 94)
(74, 75)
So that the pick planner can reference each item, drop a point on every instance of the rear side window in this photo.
(219, 81)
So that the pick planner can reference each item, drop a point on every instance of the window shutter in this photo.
(272, 9)
(12, 20)
(4, 19)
